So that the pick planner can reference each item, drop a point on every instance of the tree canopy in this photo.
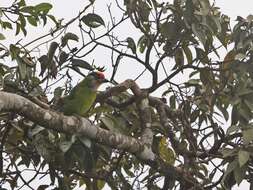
(187, 126)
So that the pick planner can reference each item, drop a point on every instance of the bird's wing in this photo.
(73, 93)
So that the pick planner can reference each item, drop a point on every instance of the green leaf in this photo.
(199, 32)
(166, 153)
(188, 54)
(17, 29)
(243, 157)
(58, 92)
(43, 7)
(2, 37)
(239, 173)
(85, 141)
(205, 7)
(173, 102)
(32, 20)
(93, 20)
(114, 124)
(231, 166)
(81, 63)
(21, 3)
(232, 128)
(27, 9)
(247, 136)
(227, 152)
(234, 116)
(22, 68)
(22, 22)
(63, 57)
(131, 44)
(36, 130)
(44, 64)
(142, 43)
(14, 51)
(100, 184)
(194, 115)
(202, 55)
(6, 25)
(65, 145)
(169, 30)
(51, 51)
(68, 36)
(144, 11)
(53, 19)
(179, 57)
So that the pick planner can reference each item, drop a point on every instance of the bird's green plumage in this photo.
(81, 98)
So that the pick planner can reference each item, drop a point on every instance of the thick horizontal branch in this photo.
(72, 125)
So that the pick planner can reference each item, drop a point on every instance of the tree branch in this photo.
(72, 125)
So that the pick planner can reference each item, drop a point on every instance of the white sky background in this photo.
(67, 9)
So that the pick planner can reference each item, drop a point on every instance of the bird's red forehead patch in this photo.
(100, 75)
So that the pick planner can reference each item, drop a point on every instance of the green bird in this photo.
(83, 95)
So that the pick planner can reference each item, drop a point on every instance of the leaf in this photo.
(65, 146)
(68, 36)
(114, 124)
(43, 7)
(22, 23)
(144, 11)
(85, 141)
(173, 102)
(227, 152)
(205, 7)
(32, 20)
(194, 115)
(2, 37)
(27, 9)
(247, 136)
(93, 20)
(58, 92)
(6, 25)
(169, 30)
(239, 173)
(42, 187)
(231, 166)
(179, 57)
(53, 19)
(51, 51)
(131, 44)
(243, 157)
(44, 63)
(21, 3)
(53, 69)
(199, 33)
(36, 130)
(166, 153)
(232, 128)
(240, 56)
(188, 54)
(142, 43)
(17, 28)
(202, 55)
(250, 18)
(81, 63)
(234, 116)
(22, 68)
(63, 57)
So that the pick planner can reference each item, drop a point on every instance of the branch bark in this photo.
(72, 125)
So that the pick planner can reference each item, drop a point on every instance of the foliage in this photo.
(207, 131)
